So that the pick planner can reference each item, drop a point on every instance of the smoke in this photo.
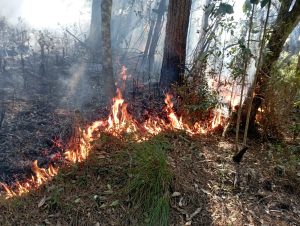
(11, 10)
(46, 14)
(76, 87)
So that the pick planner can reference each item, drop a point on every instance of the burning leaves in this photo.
(119, 122)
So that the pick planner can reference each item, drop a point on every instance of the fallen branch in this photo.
(197, 211)
(77, 39)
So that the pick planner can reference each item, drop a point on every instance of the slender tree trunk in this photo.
(156, 33)
(146, 51)
(262, 46)
(94, 39)
(246, 63)
(285, 23)
(204, 30)
(298, 66)
(175, 42)
(107, 63)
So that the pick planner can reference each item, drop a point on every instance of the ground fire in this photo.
(119, 122)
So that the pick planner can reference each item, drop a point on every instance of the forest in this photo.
(149, 112)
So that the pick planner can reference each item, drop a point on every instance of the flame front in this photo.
(118, 123)
(40, 177)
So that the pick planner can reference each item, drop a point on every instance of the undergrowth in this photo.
(150, 181)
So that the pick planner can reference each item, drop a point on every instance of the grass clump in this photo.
(150, 181)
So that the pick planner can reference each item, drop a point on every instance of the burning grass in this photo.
(81, 194)
(119, 124)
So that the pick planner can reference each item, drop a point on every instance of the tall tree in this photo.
(156, 32)
(106, 10)
(246, 63)
(175, 43)
(262, 46)
(94, 39)
(287, 20)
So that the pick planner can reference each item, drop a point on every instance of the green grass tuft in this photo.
(150, 181)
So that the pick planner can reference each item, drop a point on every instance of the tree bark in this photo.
(146, 51)
(284, 25)
(106, 8)
(246, 63)
(94, 39)
(262, 45)
(175, 42)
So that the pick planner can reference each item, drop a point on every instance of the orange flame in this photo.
(40, 177)
(217, 120)
(118, 122)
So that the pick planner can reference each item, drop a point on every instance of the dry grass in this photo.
(94, 193)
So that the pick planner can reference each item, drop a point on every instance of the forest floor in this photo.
(95, 192)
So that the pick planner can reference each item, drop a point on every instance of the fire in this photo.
(123, 78)
(120, 120)
(40, 177)
(124, 73)
(227, 91)
(118, 123)
(217, 120)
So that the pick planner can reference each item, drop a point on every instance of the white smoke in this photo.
(46, 13)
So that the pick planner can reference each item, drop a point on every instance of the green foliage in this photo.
(241, 54)
(263, 3)
(197, 99)
(286, 156)
(160, 212)
(225, 8)
(247, 6)
(54, 201)
(209, 8)
(150, 182)
(282, 94)
(285, 71)
(254, 2)
(295, 129)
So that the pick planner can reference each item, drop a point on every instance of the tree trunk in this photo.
(175, 42)
(251, 90)
(94, 39)
(107, 71)
(298, 65)
(156, 33)
(246, 63)
(284, 25)
(146, 51)
(204, 31)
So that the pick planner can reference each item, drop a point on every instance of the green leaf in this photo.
(114, 203)
(247, 6)
(254, 2)
(209, 8)
(255, 31)
(225, 8)
(263, 3)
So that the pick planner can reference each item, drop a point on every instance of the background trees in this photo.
(287, 19)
